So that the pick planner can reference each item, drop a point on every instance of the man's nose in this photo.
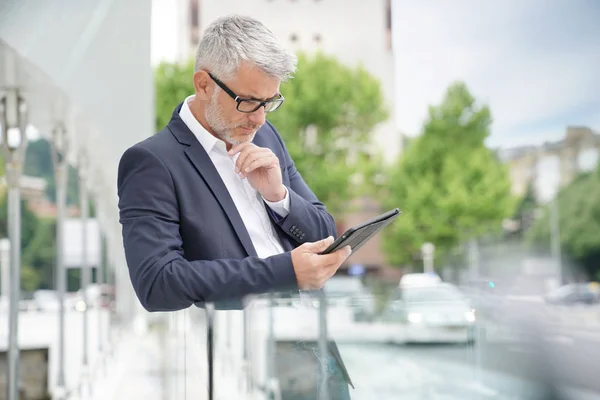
(258, 117)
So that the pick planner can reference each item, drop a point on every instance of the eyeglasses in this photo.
(249, 105)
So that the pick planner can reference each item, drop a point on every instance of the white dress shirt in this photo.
(249, 203)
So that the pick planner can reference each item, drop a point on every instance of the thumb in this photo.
(321, 245)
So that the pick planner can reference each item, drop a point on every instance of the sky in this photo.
(534, 62)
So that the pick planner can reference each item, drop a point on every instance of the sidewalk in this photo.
(134, 372)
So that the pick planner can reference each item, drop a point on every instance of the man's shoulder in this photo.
(269, 130)
(270, 136)
(160, 144)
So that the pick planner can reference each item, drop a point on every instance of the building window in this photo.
(317, 38)
(388, 24)
(294, 38)
(194, 16)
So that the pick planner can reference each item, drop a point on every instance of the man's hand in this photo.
(312, 269)
(261, 166)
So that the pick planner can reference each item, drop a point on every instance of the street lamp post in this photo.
(322, 346)
(100, 271)
(13, 115)
(555, 238)
(427, 251)
(60, 147)
(85, 265)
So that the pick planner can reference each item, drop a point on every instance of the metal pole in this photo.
(427, 252)
(100, 276)
(59, 151)
(473, 259)
(555, 237)
(210, 315)
(14, 233)
(247, 315)
(323, 348)
(13, 113)
(274, 391)
(85, 267)
(5, 266)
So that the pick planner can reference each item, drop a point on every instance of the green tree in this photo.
(30, 276)
(38, 162)
(172, 84)
(327, 122)
(28, 221)
(30, 279)
(40, 253)
(525, 211)
(449, 185)
(579, 221)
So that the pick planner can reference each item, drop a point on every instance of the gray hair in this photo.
(229, 41)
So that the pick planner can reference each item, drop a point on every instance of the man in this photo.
(212, 207)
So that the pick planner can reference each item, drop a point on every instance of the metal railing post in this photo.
(13, 115)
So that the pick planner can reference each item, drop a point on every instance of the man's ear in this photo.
(203, 85)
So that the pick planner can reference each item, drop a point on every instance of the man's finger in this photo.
(252, 156)
(259, 162)
(338, 256)
(328, 271)
(248, 154)
(319, 246)
(242, 155)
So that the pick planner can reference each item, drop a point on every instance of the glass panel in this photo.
(468, 338)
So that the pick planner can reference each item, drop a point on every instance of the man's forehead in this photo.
(253, 82)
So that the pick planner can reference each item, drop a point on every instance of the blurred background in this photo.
(479, 120)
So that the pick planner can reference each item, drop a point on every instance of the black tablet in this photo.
(358, 235)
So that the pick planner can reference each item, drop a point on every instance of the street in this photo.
(500, 370)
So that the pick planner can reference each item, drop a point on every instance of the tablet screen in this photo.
(358, 235)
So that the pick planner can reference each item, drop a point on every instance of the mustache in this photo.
(252, 126)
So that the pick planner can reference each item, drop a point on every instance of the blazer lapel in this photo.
(205, 167)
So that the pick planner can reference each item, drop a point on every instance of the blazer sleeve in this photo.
(308, 219)
(162, 278)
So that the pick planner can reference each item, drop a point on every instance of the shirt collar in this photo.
(208, 141)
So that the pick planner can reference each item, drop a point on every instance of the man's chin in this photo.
(238, 140)
(244, 138)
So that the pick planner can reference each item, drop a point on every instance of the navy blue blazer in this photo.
(185, 242)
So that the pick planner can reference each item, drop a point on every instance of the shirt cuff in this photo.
(281, 207)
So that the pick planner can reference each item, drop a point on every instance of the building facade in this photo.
(552, 165)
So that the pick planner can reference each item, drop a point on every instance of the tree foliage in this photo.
(449, 185)
(37, 247)
(327, 122)
(578, 220)
(172, 84)
(38, 162)
(525, 212)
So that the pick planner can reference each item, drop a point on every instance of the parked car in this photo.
(574, 294)
(348, 291)
(432, 313)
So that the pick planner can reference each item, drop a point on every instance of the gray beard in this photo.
(220, 128)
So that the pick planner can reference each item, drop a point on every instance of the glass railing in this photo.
(369, 338)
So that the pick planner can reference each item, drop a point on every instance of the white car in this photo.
(433, 313)
(419, 279)
(342, 291)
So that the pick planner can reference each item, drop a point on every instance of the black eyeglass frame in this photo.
(277, 102)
